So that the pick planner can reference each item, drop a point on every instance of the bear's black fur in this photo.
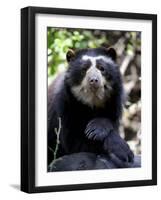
(84, 128)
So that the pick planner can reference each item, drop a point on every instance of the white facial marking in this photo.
(83, 92)
(93, 59)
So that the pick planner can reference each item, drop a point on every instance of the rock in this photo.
(90, 161)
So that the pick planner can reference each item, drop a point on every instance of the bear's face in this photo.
(92, 74)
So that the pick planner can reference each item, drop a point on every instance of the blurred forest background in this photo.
(128, 47)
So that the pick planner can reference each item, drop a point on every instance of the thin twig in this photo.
(57, 131)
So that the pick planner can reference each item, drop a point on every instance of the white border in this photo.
(94, 176)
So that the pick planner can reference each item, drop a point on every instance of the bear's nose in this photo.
(94, 82)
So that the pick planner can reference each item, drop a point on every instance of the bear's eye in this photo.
(85, 66)
(83, 70)
(101, 68)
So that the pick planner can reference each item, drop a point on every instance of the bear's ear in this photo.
(111, 52)
(70, 55)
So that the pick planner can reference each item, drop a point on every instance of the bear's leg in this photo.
(102, 129)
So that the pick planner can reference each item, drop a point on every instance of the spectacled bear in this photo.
(88, 100)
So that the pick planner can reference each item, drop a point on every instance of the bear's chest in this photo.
(80, 116)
